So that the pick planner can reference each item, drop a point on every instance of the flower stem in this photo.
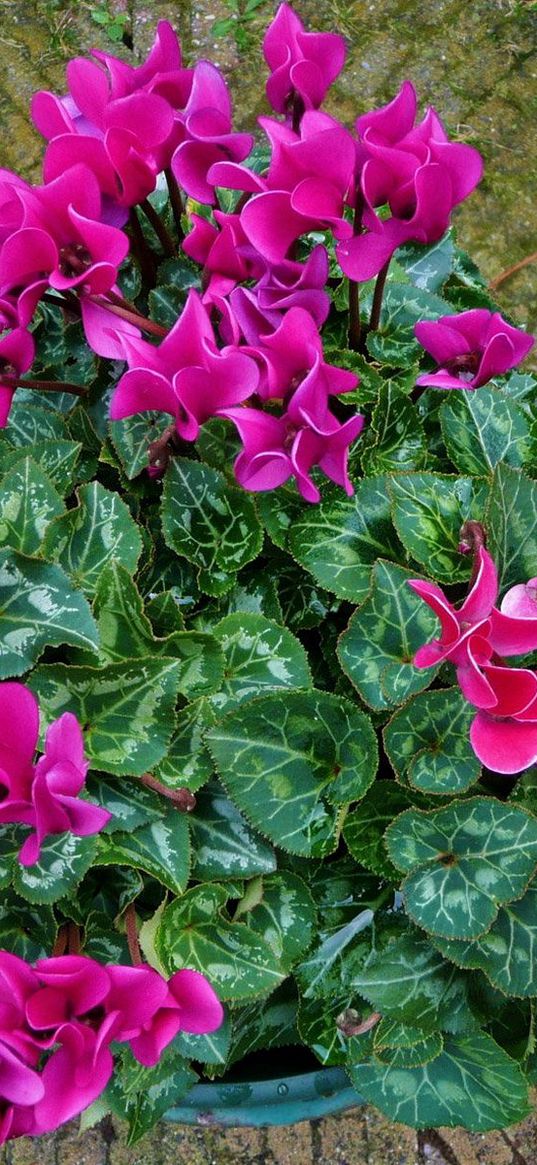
(163, 235)
(73, 938)
(473, 537)
(132, 317)
(377, 297)
(183, 799)
(131, 930)
(60, 946)
(176, 202)
(144, 254)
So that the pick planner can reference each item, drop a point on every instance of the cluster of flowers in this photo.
(59, 1018)
(46, 795)
(476, 638)
(109, 138)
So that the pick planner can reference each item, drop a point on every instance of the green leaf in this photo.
(56, 458)
(192, 933)
(330, 969)
(511, 522)
(24, 931)
(339, 539)
(31, 423)
(85, 539)
(187, 763)
(260, 1026)
(211, 1049)
(318, 1028)
(142, 1095)
(127, 710)
(428, 743)
(396, 437)
(39, 607)
(428, 267)
(398, 348)
(404, 305)
(482, 429)
(410, 982)
(289, 760)
(132, 437)
(223, 843)
(211, 524)
(303, 603)
(161, 848)
(28, 502)
(462, 862)
(414, 1055)
(278, 509)
(259, 657)
(130, 803)
(62, 864)
(284, 914)
(377, 649)
(365, 826)
(126, 633)
(506, 953)
(428, 512)
(473, 1083)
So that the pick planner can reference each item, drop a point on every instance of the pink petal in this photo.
(505, 746)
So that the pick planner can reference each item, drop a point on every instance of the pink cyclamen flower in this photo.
(190, 1005)
(504, 734)
(44, 796)
(21, 1086)
(416, 171)
(117, 119)
(207, 134)
(307, 434)
(292, 357)
(303, 64)
(62, 242)
(260, 310)
(17, 351)
(471, 348)
(472, 634)
(186, 375)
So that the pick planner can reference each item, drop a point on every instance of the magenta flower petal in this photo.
(200, 1008)
(19, 1084)
(520, 602)
(478, 604)
(19, 728)
(74, 1076)
(141, 391)
(272, 225)
(505, 746)
(393, 121)
(105, 331)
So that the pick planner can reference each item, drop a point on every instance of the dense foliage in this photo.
(266, 758)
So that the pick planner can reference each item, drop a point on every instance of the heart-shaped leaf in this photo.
(259, 656)
(39, 607)
(428, 743)
(428, 512)
(98, 530)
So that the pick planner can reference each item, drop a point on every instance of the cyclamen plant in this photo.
(249, 390)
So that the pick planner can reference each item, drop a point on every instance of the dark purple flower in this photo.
(471, 348)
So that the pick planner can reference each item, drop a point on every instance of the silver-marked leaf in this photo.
(396, 437)
(281, 909)
(462, 862)
(85, 539)
(28, 502)
(130, 803)
(210, 1049)
(377, 649)
(259, 656)
(269, 1023)
(63, 861)
(30, 423)
(428, 512)
(472, 1083)
(213, 525)
(482, 429)
(507, 952)
(511, 522)
(317, 1025)
(409, 981)
(161, 848)
(331, 967)
(365, 826)
(132, 437)
(26, 931)
(403, 305)
(142, 1095)
(339, 539)
(187, 763)
(413, 1056)
(224, 845)
(239, 964)
(39, 607)
(58, 459)
(392, 1033)
(126, 633)
(278, 510)
(427, 267)
(126, 710)
(428, 743)
(289, 760)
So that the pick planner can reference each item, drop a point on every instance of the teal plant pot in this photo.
(282, 1100)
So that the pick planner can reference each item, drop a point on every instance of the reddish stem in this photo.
(133, 317)
(494, 283)
(73, 938)
(48, 386)
(182, 798)
(131, 930)
(377, 297)
(60, 946)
